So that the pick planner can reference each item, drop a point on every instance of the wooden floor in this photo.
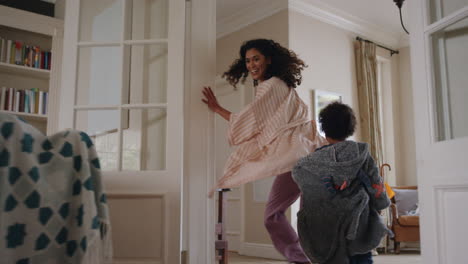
(403, 258)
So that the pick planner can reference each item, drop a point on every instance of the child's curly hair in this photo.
(284, 63)
(337, 121)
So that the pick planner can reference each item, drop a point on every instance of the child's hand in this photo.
(344, 185)
(331, 187)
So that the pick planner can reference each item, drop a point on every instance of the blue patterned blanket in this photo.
(52, 206)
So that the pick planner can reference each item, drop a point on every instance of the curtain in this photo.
(368, 97)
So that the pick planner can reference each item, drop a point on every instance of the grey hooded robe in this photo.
(334, 224)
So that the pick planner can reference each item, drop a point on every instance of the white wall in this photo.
(329, 53)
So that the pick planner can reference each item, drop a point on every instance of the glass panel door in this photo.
(121, 57)
(100, 20)
(121, 87)
(449, 49)
(442, 8)
(447, 39)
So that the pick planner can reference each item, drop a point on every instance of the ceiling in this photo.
(381, 13)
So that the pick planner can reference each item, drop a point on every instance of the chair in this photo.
(405, 227)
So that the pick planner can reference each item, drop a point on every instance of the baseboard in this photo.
(132, 261)
(260, 250)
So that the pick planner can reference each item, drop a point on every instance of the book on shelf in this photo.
(40, 102)
(27, 108)
(17, 101)
(8, 51)
(46, 102)
(21, 101)
(12, 52)
(2, 98)
(32, 101)
(20, 53)
(2, 49)
(10, 99)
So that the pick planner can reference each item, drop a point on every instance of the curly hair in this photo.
(337, 121)
(284, 63)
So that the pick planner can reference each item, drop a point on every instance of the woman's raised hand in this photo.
(212, 103)
(210, 99)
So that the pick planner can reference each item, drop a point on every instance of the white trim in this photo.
(447, 21)
(146, 41)
(440, 224)
(444, 89)
(441, 215)
(430, 78)
(210, 143)
(255, 12)
(55, 81)
(321, 11)
(98, 44)
(199, 167)
(24, 70)
(260, 250)
(313, 8)
(123, 41)
(26, 115)
(186, 108)
(16, 18)
(113, 195)
(123, 106)
(133, 261)
(233, 233)
(69, 67)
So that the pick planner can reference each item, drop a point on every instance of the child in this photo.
(342, 193)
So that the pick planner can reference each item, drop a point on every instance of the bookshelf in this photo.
(20, 70)
(46, 33)
(27, 116)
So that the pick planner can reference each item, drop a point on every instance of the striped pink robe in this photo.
(271, 134)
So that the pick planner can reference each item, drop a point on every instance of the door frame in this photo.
(199, 167)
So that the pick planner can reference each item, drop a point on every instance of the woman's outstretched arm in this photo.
(212, 102)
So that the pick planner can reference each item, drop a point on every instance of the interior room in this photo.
(323, 35)
(109, 155)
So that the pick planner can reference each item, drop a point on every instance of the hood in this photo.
(341, 160)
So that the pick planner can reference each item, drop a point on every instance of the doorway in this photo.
(331, 68)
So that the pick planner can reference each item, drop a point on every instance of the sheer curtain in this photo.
(368, 96)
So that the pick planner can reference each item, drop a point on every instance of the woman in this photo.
(271, 134)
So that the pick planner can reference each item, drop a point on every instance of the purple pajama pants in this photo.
(283, 194)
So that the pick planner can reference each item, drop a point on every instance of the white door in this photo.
(439, 58)
(122, 83)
